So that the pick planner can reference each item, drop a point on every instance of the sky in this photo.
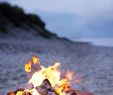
(91, 18)
(78, 7)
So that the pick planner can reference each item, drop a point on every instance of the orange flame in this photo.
(28, 66)
(35, 60)
(52, 73)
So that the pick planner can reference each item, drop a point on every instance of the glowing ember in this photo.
(47, 81)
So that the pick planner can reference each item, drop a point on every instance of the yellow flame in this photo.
(51, 73)
(28, 66)
(19, 93)
(69, 75)
(35, 59)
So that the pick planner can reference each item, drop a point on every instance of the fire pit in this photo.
(48, 81)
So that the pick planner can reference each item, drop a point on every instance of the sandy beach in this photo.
(94, 64)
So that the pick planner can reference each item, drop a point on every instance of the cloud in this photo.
(92, 17)
(78, 7)
(2, 0)
(90, 20)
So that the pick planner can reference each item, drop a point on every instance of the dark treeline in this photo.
(16, 16)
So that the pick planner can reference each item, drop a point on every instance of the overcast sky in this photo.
(78, 7)
(83, 9)
(90, 15)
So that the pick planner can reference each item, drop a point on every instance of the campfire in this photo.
(47, 81)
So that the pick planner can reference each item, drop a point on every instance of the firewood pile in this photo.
(47, 81)
(44, 89)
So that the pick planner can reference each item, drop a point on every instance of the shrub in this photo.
(47, 34)
(17, 16)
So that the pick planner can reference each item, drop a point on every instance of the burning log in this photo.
(11, 93)
(19, 92)
(73, 93)
(46, 88)
(27, 93)
(20, 89)
(47, 81)
(15, 92)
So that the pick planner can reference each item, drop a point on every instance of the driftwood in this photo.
(46, 88)
(11, 93)
(79, 92)
(15, 92)
(73, 93)
(20, 89)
